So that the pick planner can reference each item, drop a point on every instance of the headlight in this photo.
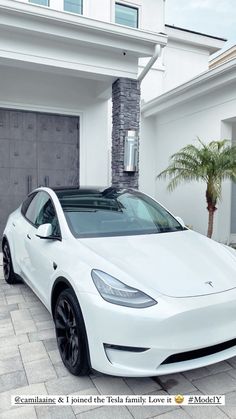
(116, 292)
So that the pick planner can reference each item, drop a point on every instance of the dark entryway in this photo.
(35, 149)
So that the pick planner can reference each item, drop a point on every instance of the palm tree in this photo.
(210, 163)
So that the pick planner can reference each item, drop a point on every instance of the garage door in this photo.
(35, 149)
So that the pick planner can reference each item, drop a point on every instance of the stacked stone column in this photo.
(125, 116)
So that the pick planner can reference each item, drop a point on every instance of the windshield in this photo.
(115, 213)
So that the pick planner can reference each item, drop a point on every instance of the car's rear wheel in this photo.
(9, 274)
(71, 333)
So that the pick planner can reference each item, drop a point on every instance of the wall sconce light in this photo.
(131, 151)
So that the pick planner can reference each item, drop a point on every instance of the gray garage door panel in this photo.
(22, 125)
(57, 155)
(61, 128)
(58, 178)
(4, 153)
(22, 180)
(35, 149)
(23, 154)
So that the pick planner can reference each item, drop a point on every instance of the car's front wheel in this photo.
(71, 333)
(8, 271)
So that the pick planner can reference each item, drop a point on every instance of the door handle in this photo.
(28, 237)
(13, 224)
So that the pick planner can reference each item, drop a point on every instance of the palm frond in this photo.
(211, 163)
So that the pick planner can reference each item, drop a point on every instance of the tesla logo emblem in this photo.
(209, 283)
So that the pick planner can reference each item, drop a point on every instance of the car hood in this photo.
(178, 264)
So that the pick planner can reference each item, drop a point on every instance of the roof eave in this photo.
(200, 85)
(28, 17)
(211, 43)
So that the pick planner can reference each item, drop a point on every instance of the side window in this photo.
(32, 208)
(41, 211)
(25, 204)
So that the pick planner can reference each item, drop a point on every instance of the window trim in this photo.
(130, 5)
(74, 13)
(30, 222)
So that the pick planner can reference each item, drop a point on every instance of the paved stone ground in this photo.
(30, 364)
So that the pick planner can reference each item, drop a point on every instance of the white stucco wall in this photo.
(182, 63)
(174, 128)
(152, 84)
(94, 162)
(54, 93)
(151, 11)
(179, 63)
(147, 159)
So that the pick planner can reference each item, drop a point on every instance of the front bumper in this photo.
(173, 326)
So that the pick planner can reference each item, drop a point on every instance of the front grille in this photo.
(199, 353)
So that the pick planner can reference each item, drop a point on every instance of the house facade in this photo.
(73, 75)
(58, 63)
(202, 107)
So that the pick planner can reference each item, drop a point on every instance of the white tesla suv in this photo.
(131, 290)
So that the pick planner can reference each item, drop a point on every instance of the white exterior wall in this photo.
(152, 84)
(174, 128)
(94, 157)
(147, 159)
(151, 11)
(182, 63)
(49, 92)
(179, 63)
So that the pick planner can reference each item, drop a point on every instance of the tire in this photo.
(8, 271)
(71, 334)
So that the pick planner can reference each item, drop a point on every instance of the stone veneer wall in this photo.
(125, 116)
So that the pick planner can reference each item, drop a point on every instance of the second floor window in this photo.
(40, 2)
(126, 15)
(73, 6)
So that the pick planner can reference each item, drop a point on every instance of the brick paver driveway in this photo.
(30, 364)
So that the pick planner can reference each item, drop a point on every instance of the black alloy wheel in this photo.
(9, 274)
(71, 333)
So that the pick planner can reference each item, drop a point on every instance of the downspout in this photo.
(157, 54)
